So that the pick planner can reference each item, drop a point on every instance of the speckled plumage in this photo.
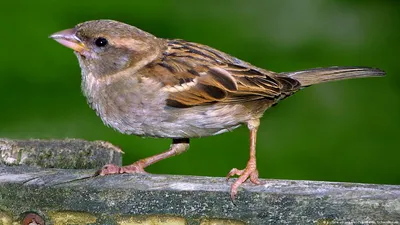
(143, 85)
(155, 101)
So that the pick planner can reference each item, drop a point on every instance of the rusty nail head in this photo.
(33, 219)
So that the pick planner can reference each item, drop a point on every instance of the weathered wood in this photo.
(66, 154)
(55, 193)
(74, 196)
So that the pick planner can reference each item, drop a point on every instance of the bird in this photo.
(139, 84)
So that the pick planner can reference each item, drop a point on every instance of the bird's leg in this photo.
(177, 147)
(251, 168)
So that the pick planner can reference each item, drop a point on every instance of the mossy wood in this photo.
(74, 196)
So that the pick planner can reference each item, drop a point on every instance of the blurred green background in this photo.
(341, 131)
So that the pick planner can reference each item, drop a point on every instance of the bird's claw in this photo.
(234, 172)
(249, 172)
(109, 169)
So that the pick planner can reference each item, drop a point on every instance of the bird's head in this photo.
(106, 47)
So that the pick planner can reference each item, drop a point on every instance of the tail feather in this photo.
(320, 75)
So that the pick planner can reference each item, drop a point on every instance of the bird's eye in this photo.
(101, 42)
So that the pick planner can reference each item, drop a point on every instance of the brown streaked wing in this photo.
(195, 74)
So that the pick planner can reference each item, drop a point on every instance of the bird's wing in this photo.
(195, 75)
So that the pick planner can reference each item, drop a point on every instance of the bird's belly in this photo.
(142, 111)
(132, 115)
(165, 122)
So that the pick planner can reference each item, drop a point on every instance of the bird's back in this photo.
(196, 74)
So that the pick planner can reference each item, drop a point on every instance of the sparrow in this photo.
(142, 85)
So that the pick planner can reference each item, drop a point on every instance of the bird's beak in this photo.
(69, 39)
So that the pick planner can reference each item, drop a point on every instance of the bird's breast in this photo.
(126, 104)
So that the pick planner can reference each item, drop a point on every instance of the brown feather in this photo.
(196, 74)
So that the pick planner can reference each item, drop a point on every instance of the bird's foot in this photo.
(178, 146)
(136, 167)
(250, 172)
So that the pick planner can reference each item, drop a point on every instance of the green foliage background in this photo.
(341, 131)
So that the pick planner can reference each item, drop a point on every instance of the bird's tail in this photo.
(320, 75)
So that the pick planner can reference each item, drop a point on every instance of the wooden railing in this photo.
(32, 193)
